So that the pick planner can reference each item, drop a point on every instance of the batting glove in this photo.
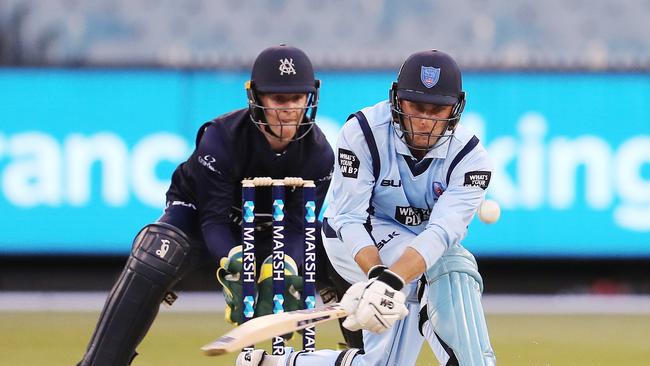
(350, 302)
(380, 304)
(251, 358)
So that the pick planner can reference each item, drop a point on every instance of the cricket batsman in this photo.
(407, 181)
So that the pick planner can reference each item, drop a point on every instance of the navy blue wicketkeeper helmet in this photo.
(283, 69)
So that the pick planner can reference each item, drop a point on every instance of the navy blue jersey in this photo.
(229, 149)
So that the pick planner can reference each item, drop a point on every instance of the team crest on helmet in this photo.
(286, 67)
(429, 76)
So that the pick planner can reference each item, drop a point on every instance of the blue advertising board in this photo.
(86, 155)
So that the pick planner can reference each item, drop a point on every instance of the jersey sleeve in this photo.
(351, 189)
(323, 178)
(455, 208)
(215, 182)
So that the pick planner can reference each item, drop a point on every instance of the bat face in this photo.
(269, 326)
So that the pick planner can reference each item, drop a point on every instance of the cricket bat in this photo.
(269, 326)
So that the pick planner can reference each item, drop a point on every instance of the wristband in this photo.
(392, 279)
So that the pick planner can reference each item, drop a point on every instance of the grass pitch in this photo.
(52, 339)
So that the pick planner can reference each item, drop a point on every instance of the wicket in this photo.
(248, 250)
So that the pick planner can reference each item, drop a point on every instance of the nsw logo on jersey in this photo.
(477, 179)
(411, 216)
(349, 163)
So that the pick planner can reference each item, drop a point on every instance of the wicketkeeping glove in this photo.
(292, 285)
(229, 276)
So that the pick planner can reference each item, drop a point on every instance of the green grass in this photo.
(60, 339)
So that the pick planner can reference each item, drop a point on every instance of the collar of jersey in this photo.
(266, 146)
(439, 152)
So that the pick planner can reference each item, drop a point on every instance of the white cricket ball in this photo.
(489, 211)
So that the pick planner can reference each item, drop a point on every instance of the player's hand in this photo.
(250, 358)
(293, 285)
(380, 305)
(228, 275)
(350, 302)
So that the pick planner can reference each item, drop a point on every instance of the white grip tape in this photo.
(293, 181)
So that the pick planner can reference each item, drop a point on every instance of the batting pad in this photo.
(455, 311)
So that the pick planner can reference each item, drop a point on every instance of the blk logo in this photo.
(380, 244)
(391, 183)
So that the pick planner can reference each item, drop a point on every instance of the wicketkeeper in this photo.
(275, 136)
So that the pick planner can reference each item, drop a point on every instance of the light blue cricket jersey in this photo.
(434, 199)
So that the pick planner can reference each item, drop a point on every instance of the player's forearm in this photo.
(219, 239)
(410, 265)
(367, 258)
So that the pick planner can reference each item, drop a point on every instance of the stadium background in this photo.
(99, 100)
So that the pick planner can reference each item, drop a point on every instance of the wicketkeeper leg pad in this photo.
(159, 257)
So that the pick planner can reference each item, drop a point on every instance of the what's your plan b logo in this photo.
(477, 178)
(411, 216)
(348, 163)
